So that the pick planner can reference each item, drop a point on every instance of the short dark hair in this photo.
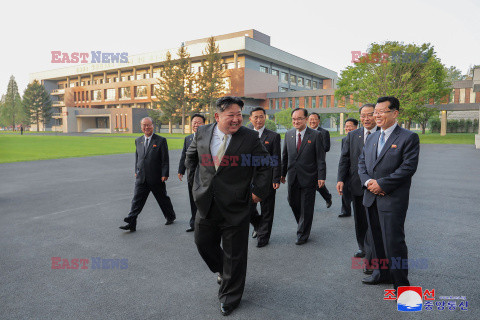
(224, 102)
(315, 114)
(305, 111)
(198, 115)
(367, 105)
(394, 103)
(353, 120)
(257, 109)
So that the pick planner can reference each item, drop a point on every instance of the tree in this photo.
(37, 103)
(186, 79)
(269, 124)
(284, 118)
(210, 81)
(409, 73)
(12, 111)
(454, 74)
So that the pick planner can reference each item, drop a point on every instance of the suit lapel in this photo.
(209, 136)
(388, 144)
(150, 144)
(236, 141)
(304, 140)
(264, 135)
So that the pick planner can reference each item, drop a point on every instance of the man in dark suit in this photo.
(348, 178)
(303, 163)
(314, 123)
(346, 211)
(229, 174)
(262, 223)
(151, 172)
(386, 166)
(197, 121)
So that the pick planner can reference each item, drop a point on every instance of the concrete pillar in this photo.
(79, 80)
(134, 73)
(104, 77)
(443, 125)
(235, 60)
(342, 117)
(119, 75)
(68, 82)
(151, 71)
(91, 78)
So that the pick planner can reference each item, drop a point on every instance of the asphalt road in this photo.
(71, 208)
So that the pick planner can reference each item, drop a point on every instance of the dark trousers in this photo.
(142, 190)
(193, 206)
(262, 223)
(346, 201)
(230, 259)
(326, 195)
(361, 223)
(302, 202)
(388, 235)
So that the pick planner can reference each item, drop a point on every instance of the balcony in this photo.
(58, 91)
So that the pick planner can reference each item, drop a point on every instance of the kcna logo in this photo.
(96, 57)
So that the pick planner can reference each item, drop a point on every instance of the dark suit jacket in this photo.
(181, 166)
(326, 138)
(393, 169)
(271, 142)
(352, 146)
(308, 165)
(152, 165)
(232, 183)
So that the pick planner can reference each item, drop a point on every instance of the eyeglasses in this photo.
(363, 116)
(298, 119)
(381, 113)
(147, 125)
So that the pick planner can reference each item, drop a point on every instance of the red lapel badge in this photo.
(394, 146)
(309, 141)
(266, 142)
(154, 145)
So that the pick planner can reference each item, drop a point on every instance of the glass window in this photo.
(156, 75)
(314, 84)
(284, 77)
(147, 75)
(472, 96)
(131, 77)
(276, 104)
(452, 96)
(230, 65)
(154, 88)
(314, 102)
(140, 91)
(329, 98)
(263, 69)
(308, 83)
(124, 78)
(290, 103)
(97, 95)
(293, 79)
(297, 102)
(139, 76)
(125, 93)
(300, 82)
(109, 94)
(320, 102)
(275, 72)
(271, 104)
(307, 102)
(282, 89)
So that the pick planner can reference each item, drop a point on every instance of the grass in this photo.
(436, 138)
(14, 148)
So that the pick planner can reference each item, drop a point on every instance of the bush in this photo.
(475, 125)
(461, 125)
(435, 125)
(468, 125)
(269, 124)
(452, 126)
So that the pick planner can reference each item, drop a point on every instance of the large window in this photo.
(282, 89)
(290, 103)
(472, 96)
(320, 102)
(109, 94)
(263, 69)
(96, 95)
(125, 93)
(293, 79)
(284, 104)
(297, 102)
(300, 82)
(314, 102)
(276, 104)
(284, 77)
(307, 102)
(308, 83)
(271, 104)
(329, 98)
(275, 72)
(141, 91)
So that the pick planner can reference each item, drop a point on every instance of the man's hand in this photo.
(164, 179)
(340, 185)
(276, 186)
(180, 176)
(255, 199)
(321, 183)
(374, 188)
(282, 179)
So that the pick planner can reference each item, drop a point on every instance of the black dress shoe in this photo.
(132, 227)
(371, 281)
(367, 271)
(343, 215)
(190, 229)
(299, 242)
(262, 243)
(329, 203)
(169, 222)
(226, 309)
(359, 254)
(254, 234)
(219, 278)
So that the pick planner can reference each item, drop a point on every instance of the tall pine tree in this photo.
(38, 104)
(12, 111)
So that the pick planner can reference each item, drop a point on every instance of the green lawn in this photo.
(15, 148)
(436, 138)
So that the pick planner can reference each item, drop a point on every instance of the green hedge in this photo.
(455, 126)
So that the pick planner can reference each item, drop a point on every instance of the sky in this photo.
(323, 32)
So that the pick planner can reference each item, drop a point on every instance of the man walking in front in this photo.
(224, 154)
(303, 163)
(151, 172)
(386, 166)
(197, 121)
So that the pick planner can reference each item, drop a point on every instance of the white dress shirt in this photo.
(149, 139)
(260, 131)
(217, 141)
(302, 134)
(365, 130)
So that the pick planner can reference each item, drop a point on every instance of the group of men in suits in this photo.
(376, 165)
(378, 162)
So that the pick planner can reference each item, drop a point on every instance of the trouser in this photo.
(262, 223)
(142, 190)
(193, 206)
(346, 201)
(302, 202)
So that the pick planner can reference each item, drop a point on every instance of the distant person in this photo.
(224, 185)
(151, 172)
(21, 130)
(314, 123)
(346, 211)
(386, 166)
(271, 141)
(303, 164)
(197, 121)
